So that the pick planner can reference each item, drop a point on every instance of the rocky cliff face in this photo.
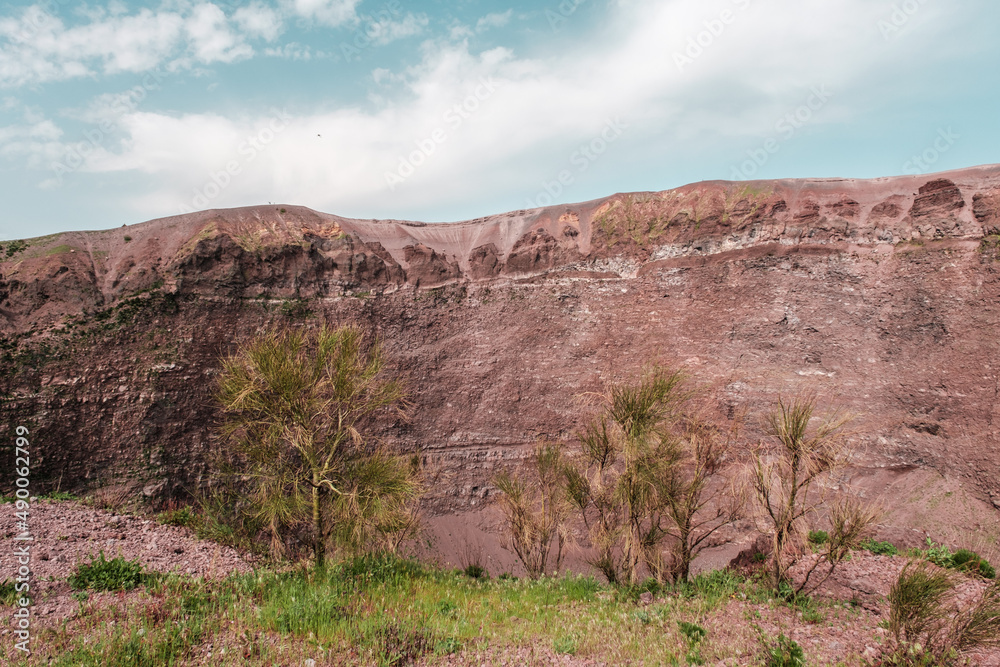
(880, 295)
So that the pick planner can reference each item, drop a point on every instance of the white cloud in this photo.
(211, 39)
(38, 47)
(529, 115)
(495, 20)
(259, 20)
(386, 31)
(297, 51)
(328, 12)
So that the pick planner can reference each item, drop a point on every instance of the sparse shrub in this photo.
(101, 574)
(59, 495)
(647, 482)
(114, 498)
(536, 508)
(784, 652)
(939, 554)
(880, 548)
(782, 474)
(127, 239)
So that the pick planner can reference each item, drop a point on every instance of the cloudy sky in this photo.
(114, 112)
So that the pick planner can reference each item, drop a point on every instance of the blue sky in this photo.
(114, 112)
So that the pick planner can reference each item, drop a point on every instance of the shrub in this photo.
(802, 450)
(969, 561)
(324, 480)
(536, 509)
(101, 574)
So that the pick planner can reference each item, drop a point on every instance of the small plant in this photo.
(939, 554)
(475, 571)
(102, 574)
(564, 645)
(643, 617)
(8, 593)
(178, 517)
(818, 537)
(296, 309)
(447, 646)
(59, 495)
(693, 632)
(283, 211)
(785, 652)
(880, 548)
(127, 238)
(447, 608)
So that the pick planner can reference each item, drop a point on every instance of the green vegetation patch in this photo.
(102, 574)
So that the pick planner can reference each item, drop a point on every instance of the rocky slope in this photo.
(880, 295)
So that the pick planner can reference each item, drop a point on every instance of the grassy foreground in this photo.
(387, 611)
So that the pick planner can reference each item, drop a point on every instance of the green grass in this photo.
(382, 610)
(101, 574)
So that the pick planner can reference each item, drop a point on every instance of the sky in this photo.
(114, 113)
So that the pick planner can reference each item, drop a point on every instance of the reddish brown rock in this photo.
(880, 295)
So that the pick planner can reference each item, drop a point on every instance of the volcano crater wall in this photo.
(881, 296)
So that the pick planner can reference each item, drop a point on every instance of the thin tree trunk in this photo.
(319, 544)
